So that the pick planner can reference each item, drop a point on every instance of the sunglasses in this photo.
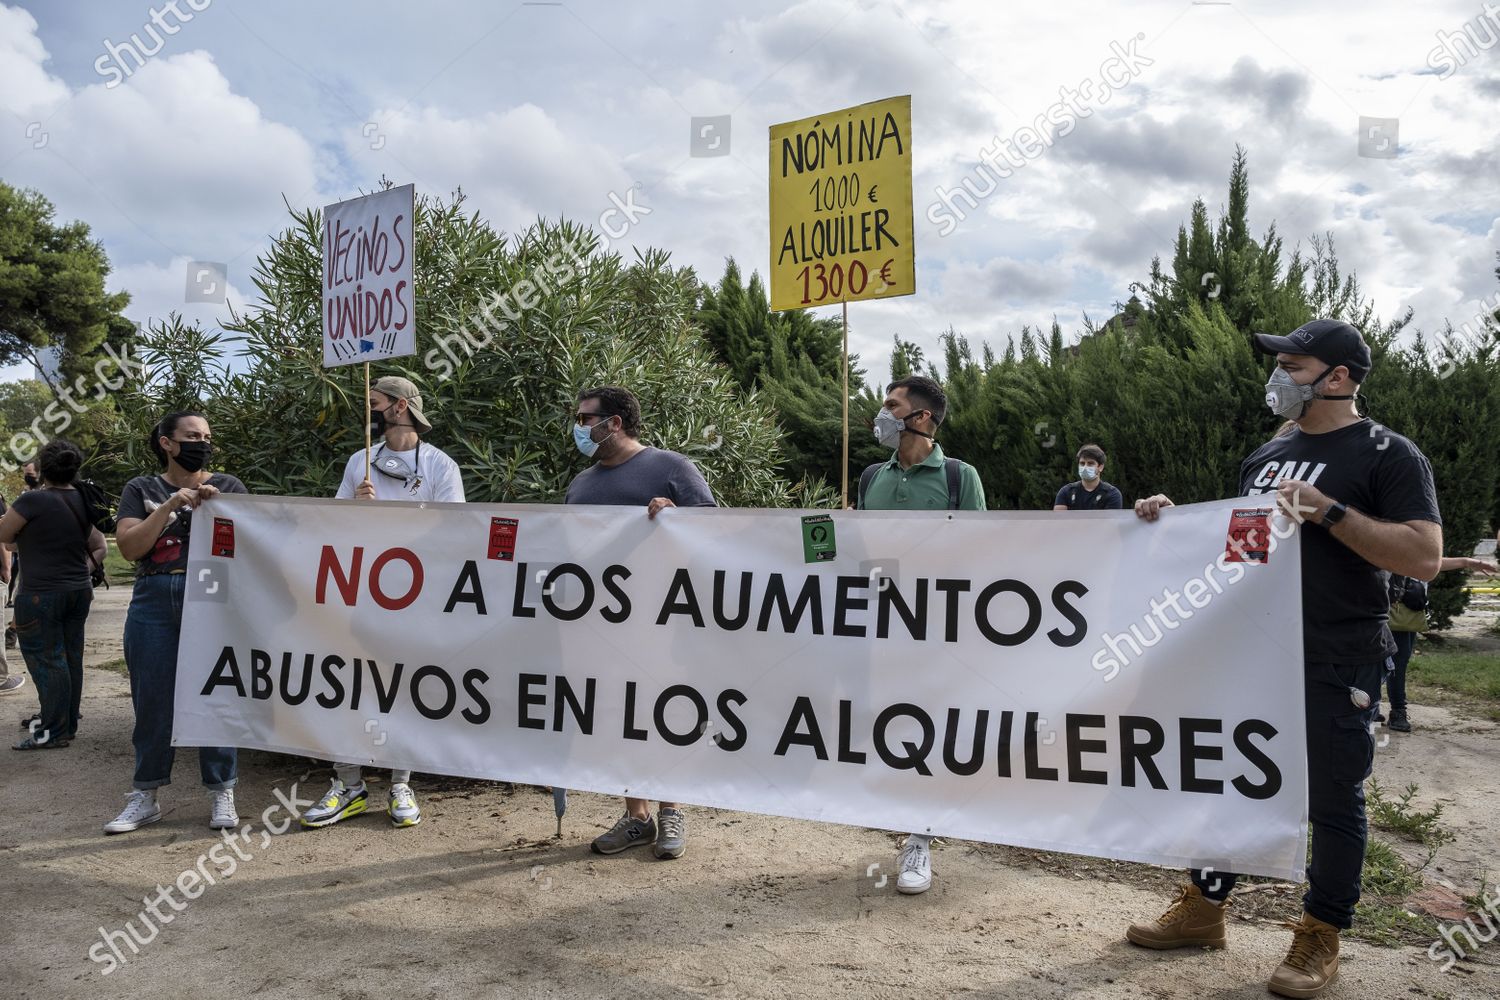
(582, 419)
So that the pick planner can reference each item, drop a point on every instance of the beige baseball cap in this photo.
(397, 387)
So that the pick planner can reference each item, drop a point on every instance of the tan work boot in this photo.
(1313, 961)
(1190, 922)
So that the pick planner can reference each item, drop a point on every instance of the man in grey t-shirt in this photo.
(607, 428)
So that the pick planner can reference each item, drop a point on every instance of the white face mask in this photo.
(1088, 472)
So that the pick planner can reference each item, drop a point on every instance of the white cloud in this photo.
(27, 88)
(157, 290)
(172, 164)
(515, 165)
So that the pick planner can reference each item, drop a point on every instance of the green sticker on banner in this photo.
(817, 538)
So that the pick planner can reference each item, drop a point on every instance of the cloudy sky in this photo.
(549, 108)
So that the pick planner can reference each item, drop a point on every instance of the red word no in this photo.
(347, 582)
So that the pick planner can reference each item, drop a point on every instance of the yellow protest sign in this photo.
(841, 218)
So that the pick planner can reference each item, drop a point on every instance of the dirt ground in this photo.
(481, 901)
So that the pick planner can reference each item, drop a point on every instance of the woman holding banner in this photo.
(155, 520)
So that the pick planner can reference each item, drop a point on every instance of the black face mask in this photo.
(31, 481)
(379, 422)
(193, 455)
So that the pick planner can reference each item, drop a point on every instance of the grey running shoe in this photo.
(671, 842)
(12, 683)
(339, 802)
(626, 833)
(402, 807)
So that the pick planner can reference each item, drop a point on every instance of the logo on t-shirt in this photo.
(1275, 472)
(167, 549)
(1096, 499)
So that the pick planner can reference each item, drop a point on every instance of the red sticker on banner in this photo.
(503, 538)
(1249, 538)
(223, 538)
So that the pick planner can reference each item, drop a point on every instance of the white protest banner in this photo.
(369, 305)
(1087, 683)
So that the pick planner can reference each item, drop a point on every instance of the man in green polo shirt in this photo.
(917, 477)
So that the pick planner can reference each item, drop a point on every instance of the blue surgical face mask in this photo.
(583, 438)
(585, 443)
(1088, 472)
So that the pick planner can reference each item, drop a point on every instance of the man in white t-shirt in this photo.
(401, 468)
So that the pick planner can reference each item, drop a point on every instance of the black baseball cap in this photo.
(1331, 341)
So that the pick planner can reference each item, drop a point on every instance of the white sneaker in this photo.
(916, 867)
(402, 806)
(140, 809)
(224, 817)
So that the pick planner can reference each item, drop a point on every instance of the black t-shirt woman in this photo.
(155, 519)
(60, 549)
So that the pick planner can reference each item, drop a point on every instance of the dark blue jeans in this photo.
(1395, 681)
(152, 627)
(1340, 753)
(49, 630)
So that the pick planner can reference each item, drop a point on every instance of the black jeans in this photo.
(1340, 752)
(1395, 681)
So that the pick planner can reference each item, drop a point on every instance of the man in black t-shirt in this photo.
(1090, 492)
(1364, 499)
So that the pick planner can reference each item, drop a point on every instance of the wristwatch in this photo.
(1333, 515)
